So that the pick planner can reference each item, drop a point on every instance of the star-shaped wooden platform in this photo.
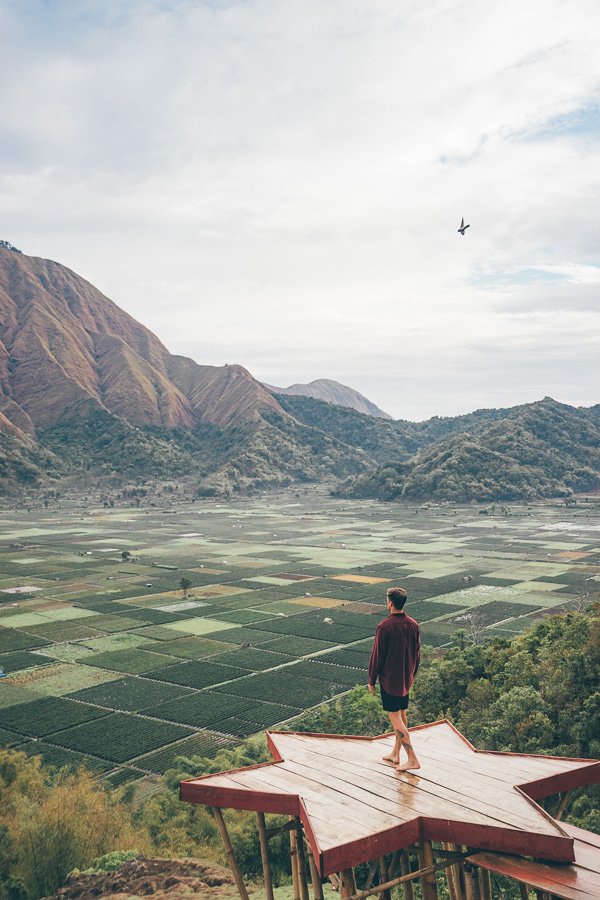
(356, 807)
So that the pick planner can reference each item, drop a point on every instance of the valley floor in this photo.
(131, 635)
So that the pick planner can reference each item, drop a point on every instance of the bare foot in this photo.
(408, 765)
(391, 758)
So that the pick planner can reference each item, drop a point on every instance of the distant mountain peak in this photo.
(333, 392)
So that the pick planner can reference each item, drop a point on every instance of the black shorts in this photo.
(392, 702)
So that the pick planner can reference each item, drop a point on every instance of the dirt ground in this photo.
(157, 878)
(166, 879)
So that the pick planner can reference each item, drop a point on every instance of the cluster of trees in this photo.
(54, 821)
(541, 450)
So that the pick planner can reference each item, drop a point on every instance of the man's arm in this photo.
(418, 653)
(376, 660)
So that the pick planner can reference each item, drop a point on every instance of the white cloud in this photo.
(280, 184)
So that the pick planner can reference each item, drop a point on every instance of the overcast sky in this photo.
(279, 183)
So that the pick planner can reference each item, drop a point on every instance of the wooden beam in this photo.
(564, 799)
(301, 860)
(264, 853)
(428, 882)
(281, 829)
(471, 883)
(294, 859)
(402, 879)
(314, 874)
(383, 877)
(405, 869)
(348, 884)
(523, 891)
(485, 884)
(239, 881)
(450, 875)
(372, 872)
(394, 863)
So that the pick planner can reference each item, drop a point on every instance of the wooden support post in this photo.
(428, 882)
(301, 860)
(524, 891)
(294, 859)
(409, 893)
(383, 877)
(315, 876)
(264, 853)
(471, 882)
(372, 872)
(394, 863)
(450, 876)
(239, 881)
(564, 799)
(348, 883)
(485, 884)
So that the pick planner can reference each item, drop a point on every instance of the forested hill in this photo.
(544, 449)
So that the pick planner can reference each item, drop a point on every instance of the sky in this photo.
(279, 183)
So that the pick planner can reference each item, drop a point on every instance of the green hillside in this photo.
(544, 449)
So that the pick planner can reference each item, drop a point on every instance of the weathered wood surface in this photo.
(578, 881)
(355, 807)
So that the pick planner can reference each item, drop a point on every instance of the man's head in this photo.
(397, 597)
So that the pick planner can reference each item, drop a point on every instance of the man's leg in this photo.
(394, 756)
(399, 722)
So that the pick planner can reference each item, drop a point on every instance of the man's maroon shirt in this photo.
(396, 653)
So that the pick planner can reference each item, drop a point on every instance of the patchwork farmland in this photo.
(112, 660)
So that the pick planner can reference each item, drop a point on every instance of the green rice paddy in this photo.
(109, 663)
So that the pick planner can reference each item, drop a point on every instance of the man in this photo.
(395, 662)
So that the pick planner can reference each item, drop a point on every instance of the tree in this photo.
(125, 555)
(185, 584)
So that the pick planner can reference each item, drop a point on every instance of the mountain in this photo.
(63, 343)
(86, 390)
(86, 381)
(332, 392)
(542, 449)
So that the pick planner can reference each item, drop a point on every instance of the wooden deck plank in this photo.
(353, 804)
(464, 792)
(564, 881)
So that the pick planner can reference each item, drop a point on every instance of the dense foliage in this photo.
(52, 822)
(23, 464)
(535, 694)
(544, 449)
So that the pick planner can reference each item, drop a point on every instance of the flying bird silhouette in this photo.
(463, 227)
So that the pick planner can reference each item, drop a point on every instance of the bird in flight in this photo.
(463, 227)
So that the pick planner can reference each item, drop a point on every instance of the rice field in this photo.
(110, 663)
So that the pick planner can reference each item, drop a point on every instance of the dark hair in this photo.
(397, 597)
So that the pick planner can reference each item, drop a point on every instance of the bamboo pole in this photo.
(394, 863)
(301, 860)
(471, 883)
(451, 875)
(239, 881)
(383, 877)
(372, 871)
(485, 884)
(315, 877)
(348, 883)
(264, 853)
(403, 879)
(564, 799)
(426, 861)
(409, 893)
(294, 859)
